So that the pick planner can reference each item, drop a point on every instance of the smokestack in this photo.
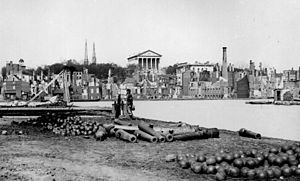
(224, 64)
(224, 55)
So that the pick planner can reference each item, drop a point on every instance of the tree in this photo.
(171, 69)
(3, 72)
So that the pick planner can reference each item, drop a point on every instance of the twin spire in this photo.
(86, 58)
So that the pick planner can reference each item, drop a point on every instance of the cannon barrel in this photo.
(145, 136)
(126, 136)
(247, 133)
(101, 133)
(169, 137)
(190, 136)
(146, 128)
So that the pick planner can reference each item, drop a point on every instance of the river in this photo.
(270, 120)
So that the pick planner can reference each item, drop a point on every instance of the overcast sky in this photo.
(47, 31)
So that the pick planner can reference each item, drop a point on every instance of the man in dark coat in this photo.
(129, 103)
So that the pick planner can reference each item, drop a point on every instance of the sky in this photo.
(44, 32)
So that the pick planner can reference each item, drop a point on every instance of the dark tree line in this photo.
(171, 69)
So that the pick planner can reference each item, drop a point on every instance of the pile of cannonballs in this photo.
(65, 125)
(252, 164)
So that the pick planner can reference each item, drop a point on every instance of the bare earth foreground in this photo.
(42, 155)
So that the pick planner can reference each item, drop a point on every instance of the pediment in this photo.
(148, 53)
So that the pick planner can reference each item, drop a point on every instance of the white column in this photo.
(146, 63)
(142, 67)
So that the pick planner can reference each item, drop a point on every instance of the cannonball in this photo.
(297, 150)
(260, 159)
(290, 152)
(277, 172)
(248, 153)
(170, 158)
(192, 160)
(253, 152)
(184, 164)
(211, 169)
(219, 158)
(236, 155)
(265, 154)
(201, 158)
(224, 164)
(270, 173)
(285, 148)
(251, 174)
(244, 171)
(262, 175)
(196, 167)
(271, 159)
(228, 158)
(274, 150)
(204, 168)
(250, 163)
(297, 172)
(234, 172)
(278, 161)
(238, 163)
(211, 161)
(292, 161)
(181, 157)
(285, 158)
(294, 168)
(286, 171)
(221, 175)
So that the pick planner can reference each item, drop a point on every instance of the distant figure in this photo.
(118, 106)
(129, 103)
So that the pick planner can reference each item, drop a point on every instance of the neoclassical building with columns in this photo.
(147, 61)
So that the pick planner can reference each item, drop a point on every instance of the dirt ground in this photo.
(42, 155)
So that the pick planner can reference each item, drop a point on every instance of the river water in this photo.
(270, 120)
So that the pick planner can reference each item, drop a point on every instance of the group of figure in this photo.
(119, 105)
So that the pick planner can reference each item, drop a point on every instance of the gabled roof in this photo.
(147, 53)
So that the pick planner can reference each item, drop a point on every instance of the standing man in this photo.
(129, 103)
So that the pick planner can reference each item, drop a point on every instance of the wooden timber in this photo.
(37, 111)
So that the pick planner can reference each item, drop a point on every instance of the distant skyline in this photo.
(50, 31)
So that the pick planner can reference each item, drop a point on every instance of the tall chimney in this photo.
(224, 55)
(224, 64)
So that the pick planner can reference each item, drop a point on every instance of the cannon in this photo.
(145, 136)
(189, 135)
(169, 137)
(146, 128)
(247, 133)
(126, 136)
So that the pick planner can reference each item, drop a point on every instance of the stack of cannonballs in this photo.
(251, 164)
(65, 125)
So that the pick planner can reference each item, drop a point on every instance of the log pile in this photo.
(252, 164)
